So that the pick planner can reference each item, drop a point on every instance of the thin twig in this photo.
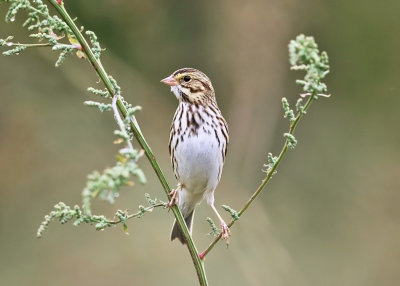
(265, 180)
(119, 120)
(11, 44)
(139, 212)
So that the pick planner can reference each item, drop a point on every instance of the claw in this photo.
(174, 199)
(225, 232)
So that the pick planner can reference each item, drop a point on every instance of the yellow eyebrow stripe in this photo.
(181, 75)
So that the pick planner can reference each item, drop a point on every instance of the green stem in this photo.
(149, 208)
(198, 263)
(267, 177)
(30, 45)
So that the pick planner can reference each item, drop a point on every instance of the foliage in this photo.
(53, 32)
(64, 214)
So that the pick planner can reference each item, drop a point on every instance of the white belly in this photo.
(199, 162)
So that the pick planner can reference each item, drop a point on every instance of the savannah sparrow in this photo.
(197, 145)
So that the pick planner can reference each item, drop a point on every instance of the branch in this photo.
(65, 213)
(264, 182)
(304, 55)
(59, 6)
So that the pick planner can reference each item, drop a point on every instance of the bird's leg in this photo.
(226, 233)
(174, 194)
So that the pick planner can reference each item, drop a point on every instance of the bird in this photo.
(197, 146)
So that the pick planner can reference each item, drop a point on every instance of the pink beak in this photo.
(169, 81)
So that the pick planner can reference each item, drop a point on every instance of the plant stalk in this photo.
(198, 263)
(267, 178)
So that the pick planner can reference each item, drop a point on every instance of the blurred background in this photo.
(330, 215)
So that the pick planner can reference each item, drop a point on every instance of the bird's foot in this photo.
(225, 232)
(174, 199)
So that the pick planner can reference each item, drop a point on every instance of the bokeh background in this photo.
(329, 217)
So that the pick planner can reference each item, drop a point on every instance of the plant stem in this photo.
(267, 177)
(11, 44)
(198, 263)
(119, 120)
(149, 208)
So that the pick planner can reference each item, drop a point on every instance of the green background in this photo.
(329, 217)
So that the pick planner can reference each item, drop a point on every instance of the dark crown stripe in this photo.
(184, 70)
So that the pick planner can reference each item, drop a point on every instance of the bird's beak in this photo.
(171, 81)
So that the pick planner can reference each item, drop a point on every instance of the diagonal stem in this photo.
(267, 177)
(198, 263)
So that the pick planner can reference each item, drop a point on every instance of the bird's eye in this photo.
(186, 78)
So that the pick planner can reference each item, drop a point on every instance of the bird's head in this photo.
(190, 85)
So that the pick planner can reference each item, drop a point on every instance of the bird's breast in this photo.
(197, 149)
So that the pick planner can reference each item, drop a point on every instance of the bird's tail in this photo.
(177, 232)
(187, 201)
